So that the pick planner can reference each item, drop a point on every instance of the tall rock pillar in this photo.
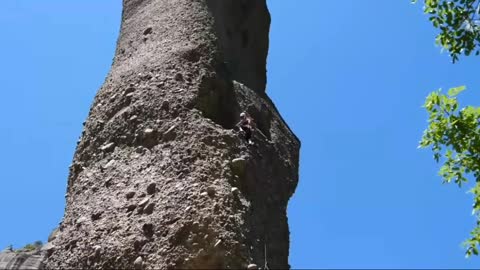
(160, 177)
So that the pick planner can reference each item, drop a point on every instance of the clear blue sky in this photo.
(349, 77)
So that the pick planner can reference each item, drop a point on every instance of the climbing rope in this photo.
(265, 253)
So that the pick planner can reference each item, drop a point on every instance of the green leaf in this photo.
(454, 137)
(456, 90)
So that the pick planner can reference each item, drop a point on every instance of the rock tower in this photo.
(160, 178)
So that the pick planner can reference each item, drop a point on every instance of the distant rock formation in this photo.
(161, 178)
(31, 256)
(10, 259)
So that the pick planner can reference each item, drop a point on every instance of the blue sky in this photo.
(348, 76)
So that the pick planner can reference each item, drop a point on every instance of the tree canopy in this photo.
(454, 133)
(454, 136)
(459, 25)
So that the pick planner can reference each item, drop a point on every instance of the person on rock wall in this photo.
(247, 125)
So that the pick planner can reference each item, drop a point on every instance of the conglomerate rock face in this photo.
(161, 178)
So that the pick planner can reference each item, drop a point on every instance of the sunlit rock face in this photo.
(161, 178)
(10, 259)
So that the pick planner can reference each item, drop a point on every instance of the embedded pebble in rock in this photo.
(148, 132)
(149, 209)
(143, 202)
(109, 164)
(178, 77)
(138, 263)
(148, 229)
(133, 118)
(131, 207)
(96, 215)
(130, 194)
(128, 91)
(97, 251)
(81, 220)
(165, 105)
(108, 147)
(211, 191)
(148, 31)
(151, 188)
(170, 133)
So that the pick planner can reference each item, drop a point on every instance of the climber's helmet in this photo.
(243, 115)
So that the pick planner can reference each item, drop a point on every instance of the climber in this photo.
(247, 125)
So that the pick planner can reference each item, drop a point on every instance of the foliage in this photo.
(459, 25)
(34, 246)
(454, 136)
(453, 133)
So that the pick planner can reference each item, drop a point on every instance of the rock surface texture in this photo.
(160, 178)
(10, 259)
